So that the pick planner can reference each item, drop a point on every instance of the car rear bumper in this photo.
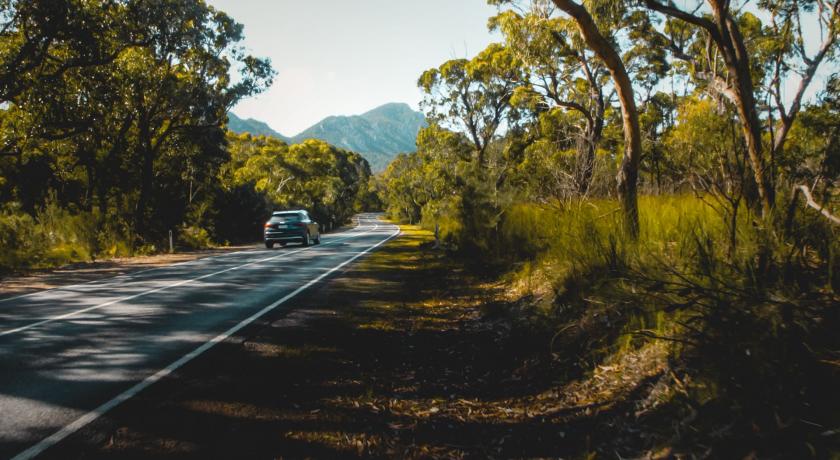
(281, 236)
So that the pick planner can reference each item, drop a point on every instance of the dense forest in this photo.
(654, 172)
(113, 133)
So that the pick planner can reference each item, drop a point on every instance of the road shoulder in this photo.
(396, 356)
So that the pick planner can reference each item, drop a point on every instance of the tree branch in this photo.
(810, 202)
(674, 12)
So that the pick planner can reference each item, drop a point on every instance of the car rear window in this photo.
(286, 217)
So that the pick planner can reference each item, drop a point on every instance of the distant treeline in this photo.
(112, 134)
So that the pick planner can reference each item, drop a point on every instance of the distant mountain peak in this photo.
(378, 134)
(390, 107)
(255, 127)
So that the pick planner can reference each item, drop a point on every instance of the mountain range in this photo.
(378, 135)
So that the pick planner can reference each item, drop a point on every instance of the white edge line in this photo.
(146, 270)
(115, 277)
(84, 420)
(170, 286)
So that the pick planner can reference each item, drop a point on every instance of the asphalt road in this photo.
(69, 355)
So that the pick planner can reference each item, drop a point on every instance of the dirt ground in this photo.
(393, 358)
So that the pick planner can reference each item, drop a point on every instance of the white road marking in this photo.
(169, 286)
(89, 417)
(115, 277)
(134, 274)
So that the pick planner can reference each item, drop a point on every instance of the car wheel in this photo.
(306, 239)
(318, 239)
(269, 244)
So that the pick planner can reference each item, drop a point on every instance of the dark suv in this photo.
(291, 226)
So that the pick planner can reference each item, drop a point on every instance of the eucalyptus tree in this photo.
(326, 180)
(598, 39)
(329, 181)
(561, 73)
(732, 53)
(180, 89)
(126, 100)
(42, 39)
(399, 186)
(474, 95)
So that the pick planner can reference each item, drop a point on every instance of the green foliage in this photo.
(194, 237)
(559, 74)
(700, 133)
(330, 182)
(21, 238)
(473, 96)
(56, 236)
(119, 110)
(814, 149)
(445, 184)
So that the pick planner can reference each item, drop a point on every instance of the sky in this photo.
(343, 57)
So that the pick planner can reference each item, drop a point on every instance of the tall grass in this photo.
(580, 234)
(596, 279)
(750, 323)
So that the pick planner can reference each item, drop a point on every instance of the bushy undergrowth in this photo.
(56, 236)
(749, 323)
(20, 237)
(195, 237)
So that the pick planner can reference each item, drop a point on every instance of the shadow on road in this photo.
(391, 358)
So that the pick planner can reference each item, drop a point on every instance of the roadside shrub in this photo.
(68, 237)
(445, 215)
(194, 237)
(21, 239)
(57, 236)
(113, 238)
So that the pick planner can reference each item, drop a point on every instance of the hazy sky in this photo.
(343, 57)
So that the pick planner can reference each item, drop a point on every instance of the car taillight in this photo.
(299, 224)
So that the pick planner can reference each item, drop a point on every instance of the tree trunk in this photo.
(786, 118)
(724, 31)
(628, 174)
(90, 171)
(585, 161)
(147, 170)
(738, 64)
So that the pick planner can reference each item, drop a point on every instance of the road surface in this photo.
(69, 355)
